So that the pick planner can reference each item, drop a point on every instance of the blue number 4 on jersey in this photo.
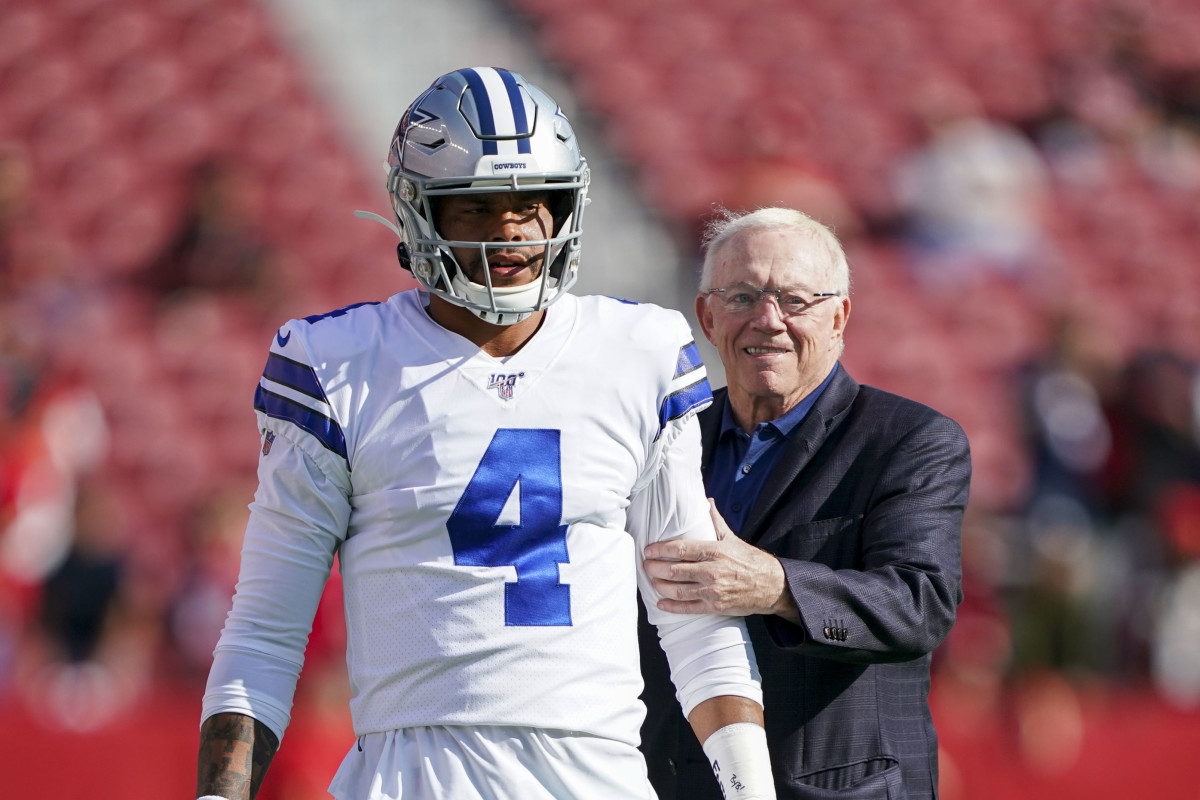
(538, 543)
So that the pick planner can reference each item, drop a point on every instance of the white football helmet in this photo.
(486, 130)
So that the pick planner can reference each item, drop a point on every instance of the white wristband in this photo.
(738, 756)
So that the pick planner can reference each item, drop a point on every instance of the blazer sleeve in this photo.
(901, 599)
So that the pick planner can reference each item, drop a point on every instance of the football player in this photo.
(487, 455)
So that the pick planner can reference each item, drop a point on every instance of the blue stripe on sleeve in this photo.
(339, 312)
(679, 403)
(483, 106)
(326, 431)
(689, 360)
(294, 375)
(520, 121)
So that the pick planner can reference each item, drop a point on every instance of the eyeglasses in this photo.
(744, 298)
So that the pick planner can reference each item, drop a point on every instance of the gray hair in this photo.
(728, 224)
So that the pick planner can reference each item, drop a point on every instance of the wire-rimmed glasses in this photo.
(743, 298)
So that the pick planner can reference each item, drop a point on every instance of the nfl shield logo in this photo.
(268, 440)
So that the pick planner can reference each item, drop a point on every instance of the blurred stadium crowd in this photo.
(1017, 183)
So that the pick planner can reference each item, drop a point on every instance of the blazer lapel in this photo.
(812, 432)
(710, 428)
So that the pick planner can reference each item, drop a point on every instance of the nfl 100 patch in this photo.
(503, 383)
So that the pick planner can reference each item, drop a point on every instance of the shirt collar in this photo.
(785, 424)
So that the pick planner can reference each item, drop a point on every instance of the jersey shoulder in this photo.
(341, 333)
(660, 337)
(316, 365)
(642, 326)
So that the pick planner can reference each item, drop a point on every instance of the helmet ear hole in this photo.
(402, 255)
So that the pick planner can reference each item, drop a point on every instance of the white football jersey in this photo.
(488, 515)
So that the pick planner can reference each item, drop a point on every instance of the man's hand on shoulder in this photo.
(727, 576)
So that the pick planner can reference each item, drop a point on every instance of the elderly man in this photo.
(847, 505)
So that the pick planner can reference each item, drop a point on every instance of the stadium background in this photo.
(1017, 182)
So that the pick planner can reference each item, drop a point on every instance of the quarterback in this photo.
(487, 455)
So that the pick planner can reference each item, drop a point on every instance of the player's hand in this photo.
(727, 576)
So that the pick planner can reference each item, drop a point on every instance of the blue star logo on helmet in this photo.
(419, 116)
(413, 117)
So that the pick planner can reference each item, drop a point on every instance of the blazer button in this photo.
(828, 633)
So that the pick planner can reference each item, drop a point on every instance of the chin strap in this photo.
(401, 248)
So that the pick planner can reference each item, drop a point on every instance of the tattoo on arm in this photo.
(235, 751)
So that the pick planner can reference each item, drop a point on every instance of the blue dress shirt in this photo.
(742, 461)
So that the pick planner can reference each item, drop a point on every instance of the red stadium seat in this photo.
(178, 133)
(780, 42)
(1173, 36)
(114, 34)
(622, 87)
(730, 12)
(144, 81)
(25, 29)
(308, 186)
(240, 86)
(92, 181)
(184, 10)
(585, 41)
(654, 132)
(37, 83)
(128, 232)
(275, 130)
(79, 10)
(217, 35)
(666, 38)
(77, 128)
(685, 189)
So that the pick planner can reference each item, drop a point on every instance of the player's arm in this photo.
(711, 715)
(235, 751)
(717, 684)
(298, 519)
(731, 733)
(712, 662)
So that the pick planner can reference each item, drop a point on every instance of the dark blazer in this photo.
(864, 511)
